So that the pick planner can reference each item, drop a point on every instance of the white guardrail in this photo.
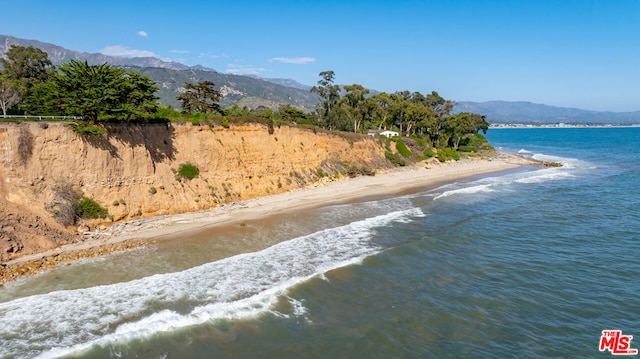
(40, 118)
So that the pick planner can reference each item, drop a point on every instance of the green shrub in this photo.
(467, 149)
(397, 161)
(224, 122)
(153, 190)
(165, 113)
(86, 128)
(454, 154)
(188, 171)
(199, 115)
(402, 148)
(474, 140)
(446, 153)
(387, 145)
(420, 141)
(428, 153)
(353, 170)
(88, 208)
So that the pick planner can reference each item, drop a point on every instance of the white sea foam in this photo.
(475, 190)
(567, 163)
(298, 307)
(480, 188)
(246, 285)
(545, 175)
(549, 158)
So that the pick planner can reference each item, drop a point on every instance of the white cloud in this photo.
(142, 33)
(212, 56)
(179, 51)
(244, 70)
(294, 60)
(123, 51)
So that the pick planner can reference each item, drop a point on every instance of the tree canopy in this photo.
(9, 95)
(411, 114)
(329, 93)
(22, 69)
(30, 84)
(94, 92)
(25, 67)
(200, 97)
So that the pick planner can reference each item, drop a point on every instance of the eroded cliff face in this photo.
(132, 171)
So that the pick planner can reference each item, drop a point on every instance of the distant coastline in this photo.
(562, 125)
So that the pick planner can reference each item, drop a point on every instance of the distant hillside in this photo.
(171, 76)
(527, 112)
(285, 82)
(241, 90)
(58, 55)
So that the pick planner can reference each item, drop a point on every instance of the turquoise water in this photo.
(534, 262)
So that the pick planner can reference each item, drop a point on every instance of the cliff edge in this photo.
(132, 171)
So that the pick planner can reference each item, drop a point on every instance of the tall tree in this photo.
(329, 93)
(479, 123)
(80, 89)
(9, 95)
(456, 126)
(25, 66)
(354, 99)
(42, 100)
(418, 117)
(398, 109)
(290, 113)
(200, 97)
(137, 96)
(381, 109)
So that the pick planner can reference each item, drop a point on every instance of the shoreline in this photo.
(131, 234)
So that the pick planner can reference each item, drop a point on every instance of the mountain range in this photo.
(533, 113)
(170, 77)
(253, 91)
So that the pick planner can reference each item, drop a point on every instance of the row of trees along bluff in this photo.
(31, 85)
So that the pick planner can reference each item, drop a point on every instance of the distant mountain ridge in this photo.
(254, 91)
(170, 77)
(59, 54)
(528, 112)
(236, 89)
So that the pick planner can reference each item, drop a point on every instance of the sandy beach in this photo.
(144, 231)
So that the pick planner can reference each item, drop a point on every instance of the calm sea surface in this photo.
(528, 263)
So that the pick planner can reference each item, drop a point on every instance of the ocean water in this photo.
(528, 263)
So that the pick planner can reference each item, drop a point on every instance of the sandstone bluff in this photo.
(132, 172)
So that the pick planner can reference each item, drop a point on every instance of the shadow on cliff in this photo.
(157, 139)
(102, 142)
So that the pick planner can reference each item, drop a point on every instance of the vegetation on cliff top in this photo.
(30, 85)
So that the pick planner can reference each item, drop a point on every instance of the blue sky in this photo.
(583, 54)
